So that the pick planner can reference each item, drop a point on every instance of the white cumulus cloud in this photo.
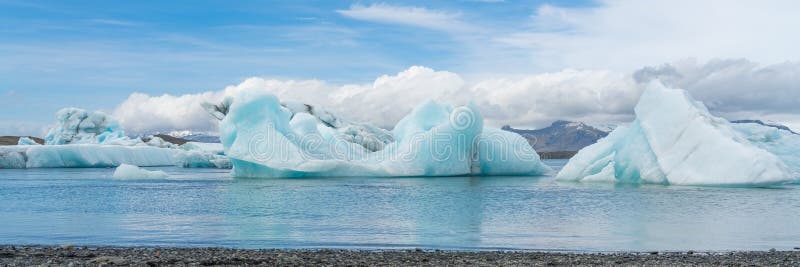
(627, 34)
(735, 89)
(142, 113)
(384, 102)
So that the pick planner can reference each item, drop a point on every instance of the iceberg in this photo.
(78, 126)
(266, 138)
(158, 142)
(26, 141)
(199, 159)
(202, 155)
(675, 140)
(83, 156)
(126, 171)
(13, 157)
(214, 148)
(101, 156)
(91, 156)
(82, 139)
(779, 141)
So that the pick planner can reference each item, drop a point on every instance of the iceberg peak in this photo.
(78, 126)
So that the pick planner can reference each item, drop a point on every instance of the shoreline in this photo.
(68, 255)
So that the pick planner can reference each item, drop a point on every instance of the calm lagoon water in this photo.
(205, 207)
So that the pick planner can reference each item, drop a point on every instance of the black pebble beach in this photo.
(114, 256)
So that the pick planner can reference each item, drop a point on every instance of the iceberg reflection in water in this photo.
(205, 207)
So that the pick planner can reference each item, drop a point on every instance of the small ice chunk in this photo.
(201, 159)
(215, 148)
(159, 142)
(26, 141)
(126, 171)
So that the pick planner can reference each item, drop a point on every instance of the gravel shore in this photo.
(106, 256)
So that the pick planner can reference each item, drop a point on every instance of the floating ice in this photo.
(82, 139)
(13, 157)
(126, 171)
(370, 137)
(264, 138)
(199, 159)
(95, 156)
(78, 126)
(26, 141)
(189, 155)
(779, 141)
(159, 142)
(202, 155)
(214, 148)
(675, 140)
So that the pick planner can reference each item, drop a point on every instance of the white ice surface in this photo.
(675, 140)
(782, 143)
(84, 156)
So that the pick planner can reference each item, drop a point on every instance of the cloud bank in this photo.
(735, 89)
(626, 34)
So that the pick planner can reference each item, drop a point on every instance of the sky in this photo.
(524, 63)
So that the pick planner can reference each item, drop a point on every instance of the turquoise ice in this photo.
(84, 139)
(266, 138)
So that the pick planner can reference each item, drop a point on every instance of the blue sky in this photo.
(94, 54)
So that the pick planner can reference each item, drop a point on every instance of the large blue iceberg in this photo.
(675, 140)
(266, 138)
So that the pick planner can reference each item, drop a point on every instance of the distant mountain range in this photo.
(202, 137)
(561, 136)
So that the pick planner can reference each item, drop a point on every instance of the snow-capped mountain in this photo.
(561, 136)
